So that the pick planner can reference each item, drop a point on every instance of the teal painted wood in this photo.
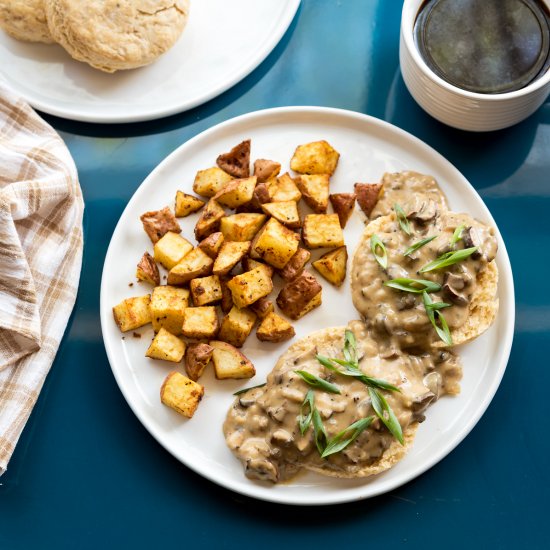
(86, 474)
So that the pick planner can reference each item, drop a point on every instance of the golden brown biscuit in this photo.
(25, 20)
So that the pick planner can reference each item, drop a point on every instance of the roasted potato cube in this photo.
(236, 326)
(132, 313)
(197, 357)
(314, 189)
(317, 157)
(206, 290)
(186, 204)
(147, 270)
(286, 212)
(231, 253)
(274, 328)
(171, 249)
(227, 298)
(283, 189)
(275, 243)
(209, 221)
(181, 394)
(322, 231)
(229, 362)
(295, 265)
(262, 307)
(343, 204)
(260, 195)
(158, 222)
(194, 264)
(200, 322)
(332, 265)
(212, 244)
(241, 227)
(250, 286)
(249, 264)
(237, 161)
(167, 306)
(166, 346)
(236, 192)
(300, 296)
(266, 169)
(208, 182)
(367, 196)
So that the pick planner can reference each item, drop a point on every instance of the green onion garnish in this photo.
(304, 420)
(348, 435)
(382, 257)
(385, 413)
(457, 235)
(244, 390)
(413, 285)
(449, 258)
(402, 219)
(419, 245)
(319, 433)
(317, 382)
(434, 315)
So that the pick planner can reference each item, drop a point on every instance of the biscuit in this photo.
(113, 35)
(25, 20)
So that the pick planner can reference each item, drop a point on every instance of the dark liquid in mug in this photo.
(485, 46)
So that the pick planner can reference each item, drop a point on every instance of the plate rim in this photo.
(505, 270)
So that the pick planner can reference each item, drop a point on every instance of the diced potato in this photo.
(171, 249)
(314, 189)
(237, 161)
(332, 265)
(167, 306)
(227, 298)
(286, 212)
(283, 189)
(317, 157)
(249, 264)
(206, 290)
(241, 227)
(322, 231)
(212, 244)
(300, 296)
(295, 265)
(209, 221)
(231, 253)
(275, 243)
(186, 204)
(197, 357)
(262, 307)
(194, 264)
(200, 322)
(208, 182)
(181, 394)
(368, 195)
(236, 192)
(266, 169)
(343, 204)
(229, 362)
(147, 270)
(236, 326)
(250, 286)
(166, 346)
(274, 328)
(132, 313)
(260, 195)
(158, 222)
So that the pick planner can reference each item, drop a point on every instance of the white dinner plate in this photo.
(222, 43)
(368, 148)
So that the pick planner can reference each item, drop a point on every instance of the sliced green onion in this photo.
(350, 347)
(375, 245)
(317, 382)
(304, 420)
(244, 390)
(319, 433)
(457, 235)
(386, 414)
(434, 316)
(402, 219)
(449, 258)
(348, 435)
(418, 245)
(413, 285)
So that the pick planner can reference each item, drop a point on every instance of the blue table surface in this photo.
(86, 473)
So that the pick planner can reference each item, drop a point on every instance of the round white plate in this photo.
(222, 43)
(368, 148)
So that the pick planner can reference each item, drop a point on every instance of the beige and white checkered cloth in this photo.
(40, 258)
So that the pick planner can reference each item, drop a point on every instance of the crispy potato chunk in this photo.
(241, 227)
(237, 161)
(194, 264)
(229, 362)
(197, 357)
(317, 157)
(332, 265)
(322, 231)
(275, 243)
(262, 307)
(260, 195)
(147, 270)
(181, 394)
(231, 253)
(283, 189)
(249, 264)
(274, 328)
(250, 286)
(132, 313)
(158, 222)
(200, 322)
(171, 249)
(212, 244)
(208, 182)
(167, 306)
(286, 212)
(367, 196)
(295, 265)
(186, 204)
(206, 290)
(227, 298)
(314, 189)
(236, 192)
(166, 346)
(343, 204)
(209, 221)
(266, 169)
(300, 296)
(236, 326)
